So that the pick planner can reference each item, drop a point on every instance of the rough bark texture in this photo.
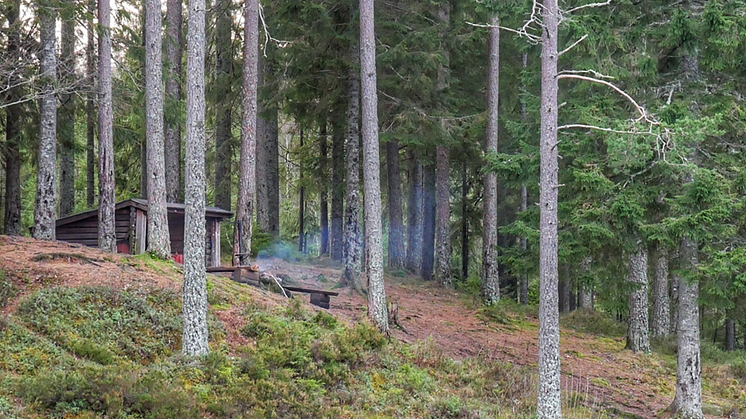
(377, 310)
(549, 401)
(352, 244)
(301, 203)
(337, 214)
(464, 221)
(323, 191)
(414, 215)
(443, 218)
(46, 182)
(12, 210)
(66, 116)
(730, 334)
(158, 238)
(173, 97)
(674, 324)
(223, 80)
(106, 200)
(267, 162)
(428, 222)
(661, 315)
(242, 228)
(585, 293)
(564, 290)
(523, 285)
(396, 222)
(90, 166)
(443, 164)
(688, 400)
(637, 324)
(490, 271)
(194, 294)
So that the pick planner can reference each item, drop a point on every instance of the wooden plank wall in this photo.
(85, 231)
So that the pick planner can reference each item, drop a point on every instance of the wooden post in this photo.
(133, 230)
(215, 243)
(141, 231)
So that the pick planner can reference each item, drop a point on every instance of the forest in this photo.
(571, 156)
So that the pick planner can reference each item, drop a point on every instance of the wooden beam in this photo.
(141, 229)
(215, 243)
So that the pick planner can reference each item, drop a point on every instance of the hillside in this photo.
(85, 334)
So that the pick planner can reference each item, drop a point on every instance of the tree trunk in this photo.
(414, 215)
(490, 271)
(396, 223)
(464, 222)
(549, 400)
(243, 227)
(66, 114)
(564, 290)
(323, 191)
(674, 300)
(90, 172)
(144, 168)
(338, 139)
(637, 326)
(730, 334)
(428, 226)
(301, 202)
(194, 294)
(377, 310)
(107, 239)
(661, 315)
(46, 185)
(267, 162)
(688, 400)
(443, 165)
(585, 294)
(223, 105)
(12, 216)
(523, 285)
(173, 98)
(352, 246)
(158, 238)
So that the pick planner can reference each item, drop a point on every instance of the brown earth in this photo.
(611, 378)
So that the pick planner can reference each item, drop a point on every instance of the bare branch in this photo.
(532, 38)
(267, 36)
(585, 6)
(605, 129)
(594, 72)
(573, 45)
(643, 113)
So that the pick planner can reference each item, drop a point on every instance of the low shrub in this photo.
(593, 322)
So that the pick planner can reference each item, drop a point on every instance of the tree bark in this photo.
(338, 143)
(443, 165)
(352, 244)
(107, 239)
(90, 172)
(267, 161)
(158, 238)
(301, 203)
(173, 99)
(585, 297)
(323, 191)
(414, 215)
(12, 211)
(490, 268)
(396, 222)
(223, 105)
(194, 293)
(661, 315)
(377, 310)
(66, 114)
(564, 290)
(637, 275)
(464, 222)
(428, 226)
(243, 227)
(549, 400)
(46, 184)
(688, 400)
(730, 334)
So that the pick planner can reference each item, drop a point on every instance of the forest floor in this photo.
(613, 380)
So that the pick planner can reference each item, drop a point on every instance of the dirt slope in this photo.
(611, 378)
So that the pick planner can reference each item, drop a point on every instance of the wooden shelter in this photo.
(132, 224)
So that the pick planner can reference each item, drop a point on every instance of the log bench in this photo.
(320, 298)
